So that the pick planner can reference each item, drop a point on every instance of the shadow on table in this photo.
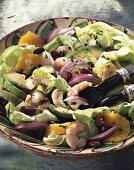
(12, 158)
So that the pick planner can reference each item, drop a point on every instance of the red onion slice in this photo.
(66, 68)
(30, 125)
(84, 77)
(69, 65)
(59, 31)
(103, 135)
(77, 99)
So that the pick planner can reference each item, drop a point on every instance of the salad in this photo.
(44, 86)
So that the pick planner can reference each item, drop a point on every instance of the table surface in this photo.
(16, 13)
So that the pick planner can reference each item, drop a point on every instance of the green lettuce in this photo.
(54, 140)
(44, 69)
(10, 56)
(99, 66)
(18, 117)
(45, 116)
(61, 84)
(9, 109)
(124, 55)
(100, 33)
(68, 41)
(45, 73)
(87, 117)
(58, 82)
(61, 40)
(45, 89)
(126, 109)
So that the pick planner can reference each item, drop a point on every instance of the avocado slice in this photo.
(86, 51)
(17, 80)
(10, 97)
(14, 90)
(61, 112)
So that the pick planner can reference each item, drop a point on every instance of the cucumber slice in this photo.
(61, 112)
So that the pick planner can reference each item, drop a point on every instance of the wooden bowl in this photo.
(42, 28)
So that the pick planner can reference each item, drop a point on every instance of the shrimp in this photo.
(32, 82)
(57, 97)
(77, 88)
(43, 106)
(36, 98)
(28, 99)
(60, 62)
(71, 136)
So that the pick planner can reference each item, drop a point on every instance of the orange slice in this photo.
(30, 38)
(28, 60)
(123, 126)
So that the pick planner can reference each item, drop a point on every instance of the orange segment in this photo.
(58, 129)
(123, 126)
(32, 59)
(30, 38)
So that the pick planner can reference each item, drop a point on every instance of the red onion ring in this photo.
(83, 77)
(59, 31)
(103, 135)
(66, 68)
(70, 65)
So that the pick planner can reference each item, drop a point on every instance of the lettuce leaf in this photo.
(9, 109)
(61, 83)
(126, 109)
(54, 140)
(100, 33)
(124, 55)
(45, 116)
(68, 41)
(10, 56)
(18, 117)
(44, 73)
(45, 89)
(44, 69)
(58, 82)
(105, 40)
(99, 66)
(65, 40)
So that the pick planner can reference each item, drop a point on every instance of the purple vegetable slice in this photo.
(103, 135)
(84, 77)
(30, 126)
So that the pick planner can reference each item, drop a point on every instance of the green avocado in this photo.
(13, 89)
(10, 97)
(89, 52)
(17, 80)
(61, 112)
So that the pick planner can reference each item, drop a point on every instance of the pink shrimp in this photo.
(71, 136)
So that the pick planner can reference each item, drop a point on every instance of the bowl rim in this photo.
(49, 153)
